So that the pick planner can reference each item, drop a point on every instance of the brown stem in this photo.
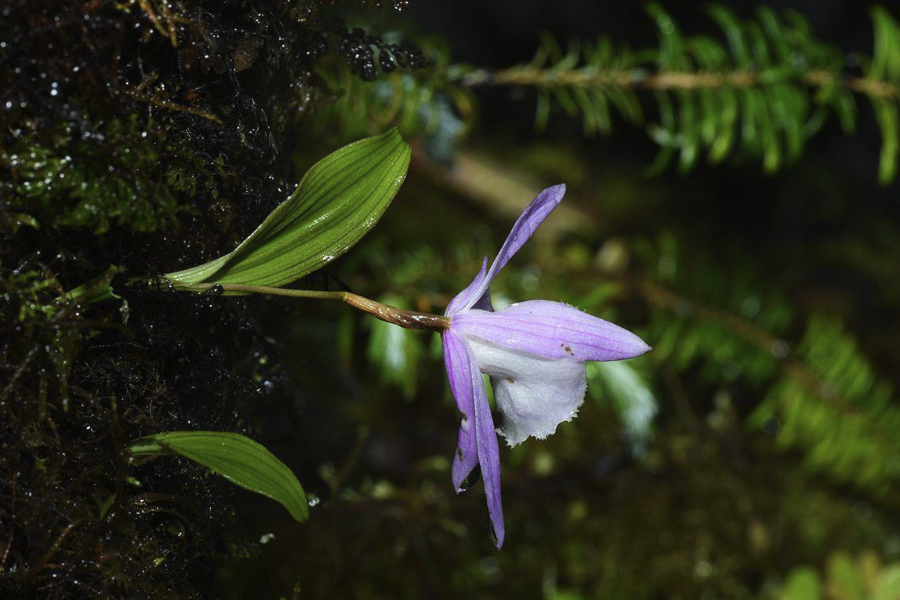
(173, 106)
(408, 319)
(167, 29)
(34, 570)
(636, 79)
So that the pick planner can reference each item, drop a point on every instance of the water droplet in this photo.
(313, 500)
(266, 538)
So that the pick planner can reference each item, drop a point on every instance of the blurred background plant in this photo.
(750, 455)
(863, 578)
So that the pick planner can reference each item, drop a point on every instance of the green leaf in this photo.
(802, 584)
(395, 352)
(843, 580)
(235, 457)
(888, 586)
(620, 385)
(339, 199)
(96, 290)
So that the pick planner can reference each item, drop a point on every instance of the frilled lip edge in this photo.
(533, 393)
(567, 419)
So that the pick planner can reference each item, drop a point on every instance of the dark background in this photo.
(771, 301)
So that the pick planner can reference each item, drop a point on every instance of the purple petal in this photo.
(551, 330)
(466, 298)
(456, 361)
(488, 454)
(467, 385)
(533, 215)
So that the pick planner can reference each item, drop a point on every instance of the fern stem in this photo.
(874, 88)
(759, 337)
(639, 79)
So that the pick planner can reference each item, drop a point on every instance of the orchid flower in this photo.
(534, 353)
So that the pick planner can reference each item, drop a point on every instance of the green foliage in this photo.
(834, 404)
(822, 396)
(802, 584)
(865, 578)
(764, 88)
(30, 305)
(141, 134)
(728, 326)
(235, 457)
(423, 104)
(98, 289)
(623, 387)
(582, 82)
(76, 181)
(701, 506)
(753, 90)
(338, 200)
(884, 83)
(395, 352)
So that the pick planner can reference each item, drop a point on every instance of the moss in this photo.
(39, 339)
(150, 136)
(66, 179)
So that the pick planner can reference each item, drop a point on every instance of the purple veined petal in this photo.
(488, 454)
(552, 330)
(533, 215)
(465, 460)
(533, 393)
(456, 362)
(467, 296)
(467, 386)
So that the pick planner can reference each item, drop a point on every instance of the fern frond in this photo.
(623, 387)
(422, 103)
(820, 395)
(832, 402)
(762, 89)
(883, 88)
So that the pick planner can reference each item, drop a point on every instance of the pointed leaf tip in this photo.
(235, 457)
(337, 202)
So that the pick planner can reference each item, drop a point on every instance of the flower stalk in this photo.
(534, 353)
(408, 319)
